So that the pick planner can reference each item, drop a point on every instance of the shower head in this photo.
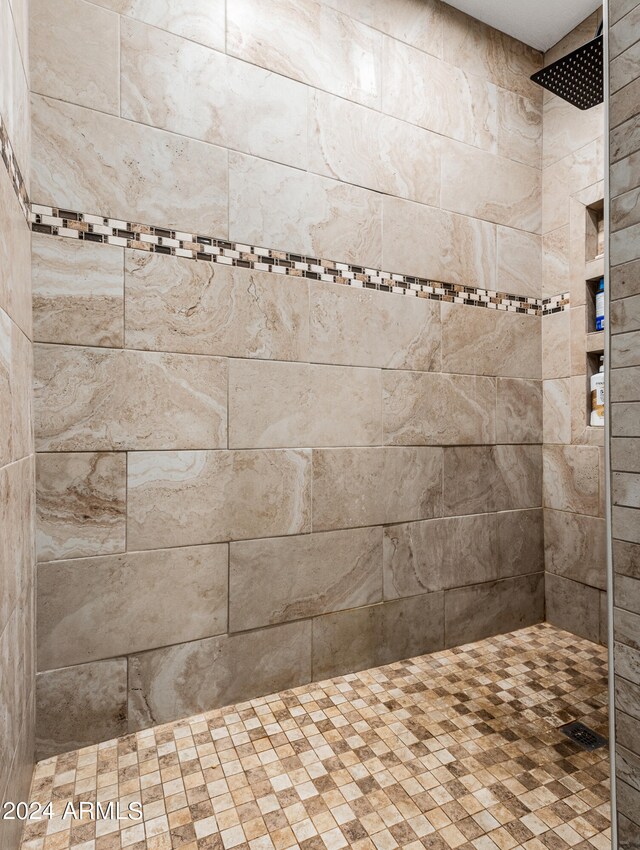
(577, 77)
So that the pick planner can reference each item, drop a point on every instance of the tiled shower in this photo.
(297, 329)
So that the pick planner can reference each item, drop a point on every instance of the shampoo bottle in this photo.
(600, 306)
(597, 396)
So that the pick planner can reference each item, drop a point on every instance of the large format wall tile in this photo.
(283, 37)
(17, 464)
(519, 258)
(625, 454)
(623, 105)
(625, 489)
(575, 547)
(573, 606)
(455, 104)
(626, 349)
(622, 34)
(488, 342)
(74, 53)
(416, 22)
(15, 257)
(14, 91)
(478, 479)
(347, 641)
(16, 677)
(557, 410)
(177, 681)
(624, 141)
(177, 85)
(420, 557)
(623, 244)
(568, 175)
(229, 310)
(627, 666)
(16, 376)
(405, 161)
(567, 130)
(81, 504)
(97, 399)
(627, 593)
(518, 411)
(520, 542)
(625, 210)
(626, 628)
(626, 524)
(626, 420)
(625, 314)
(17, 534)
(623, 175)
(571, 478)
(372, 486)
(199, 20)
(137, 173)
(480, 184)
(94, 608)
(423, 408)
(458, 249)
(473, 613)
(439, 554)
(360, 327)
(489, 53)
(77, 706)
(16, 372)
(277, 405)
(78, 292)
(626, 558)
(290, 578)
(556, 271)
(308, 214)
(519, 128)
(186, 498)
(625, 384)
(6, 400)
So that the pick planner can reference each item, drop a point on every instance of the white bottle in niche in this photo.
(597, 396)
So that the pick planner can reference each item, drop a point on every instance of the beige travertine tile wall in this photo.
(266, 468)
(17, 460)
(573, 477)
(624, 394)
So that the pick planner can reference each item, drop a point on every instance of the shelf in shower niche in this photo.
(594, 269)
(595, 342)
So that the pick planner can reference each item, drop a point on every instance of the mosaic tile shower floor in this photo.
(458, 749)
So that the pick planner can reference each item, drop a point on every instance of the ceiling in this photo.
(539, 23)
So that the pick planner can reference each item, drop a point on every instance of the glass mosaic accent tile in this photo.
(76, 224)
(144, 237)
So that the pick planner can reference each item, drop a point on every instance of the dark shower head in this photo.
(577, 77)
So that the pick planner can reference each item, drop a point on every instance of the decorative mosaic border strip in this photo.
(13, 169)
(144, 237)
(160, 240)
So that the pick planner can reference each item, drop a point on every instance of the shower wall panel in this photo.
(17, 460)
(624, 394)
(271, 448)
(574, 483)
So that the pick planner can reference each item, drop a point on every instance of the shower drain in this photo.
(583, 736)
